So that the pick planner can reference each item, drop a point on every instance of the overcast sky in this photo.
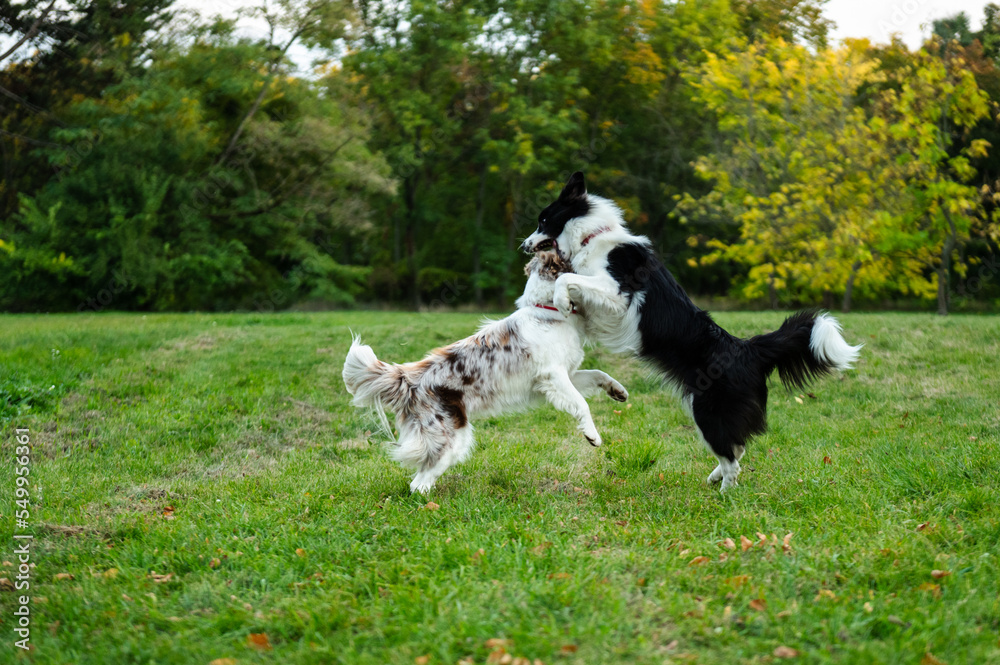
(878, 19)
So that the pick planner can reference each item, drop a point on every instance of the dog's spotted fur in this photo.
(508, 365)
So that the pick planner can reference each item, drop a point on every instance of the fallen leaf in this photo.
(785, 652)
(728, 544)
(622, 522)
(869, 608)
(223, 661)
(758, 604)
(126, 598)
(786, 543)
(737, 581)
(827, 460)
(431, 506)
(931, 659)
(495, 642)
(699, 560)
(825, 593)
(745, 543)
(921, 527)
(214, 563)
(892, 618)
(560, 576)
(422, 660)
(935, 589)
(938, 574)
(64, 576)
(6, 584)
(300, 552)
(259, 641)
(723, 556)
(568, 648)
(799, 400)
(480, 553)
(110, 573)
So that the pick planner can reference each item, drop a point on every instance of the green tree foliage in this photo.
(156, 160)
(150, 198)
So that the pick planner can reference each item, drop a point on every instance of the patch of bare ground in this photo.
(204, 341)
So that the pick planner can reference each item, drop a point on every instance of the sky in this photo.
(879, 19)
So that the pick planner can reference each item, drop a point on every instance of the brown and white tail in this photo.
(373, 383)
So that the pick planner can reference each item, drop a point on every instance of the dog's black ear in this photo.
(575, 188)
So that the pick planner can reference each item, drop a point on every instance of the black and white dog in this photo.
(631, 303)
(531, 355)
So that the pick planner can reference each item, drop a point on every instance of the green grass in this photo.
(286, 518)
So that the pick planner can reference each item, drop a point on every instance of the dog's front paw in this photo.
(562, 302)
(593, 438)
(616, 391)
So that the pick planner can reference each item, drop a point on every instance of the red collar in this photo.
(603, 229)
(554, 309)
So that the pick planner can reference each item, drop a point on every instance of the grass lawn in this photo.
(198, 479)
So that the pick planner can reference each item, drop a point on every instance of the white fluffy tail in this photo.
(362, 373)
(828, 345)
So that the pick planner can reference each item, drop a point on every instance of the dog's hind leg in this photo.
(717, 434)
(559, 390)
(461, 443)
(592, 381)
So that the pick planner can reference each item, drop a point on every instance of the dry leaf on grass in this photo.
(422, 660)
(214, 563)
(758, 604)
(6, 584)
(931, 659)
(160, 579)
(300, 552)
(699, 560)
(745, 543)
(827, 460)
(728, 544)
(259, 641)
(223, 661)
(64, 576)
(431, 506)
(938, 574)
(495, 642)
(478, 554)
(825, 593)
(560, 576)
(785, 652)
(786, 543)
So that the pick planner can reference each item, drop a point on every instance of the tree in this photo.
(802, 173)
(934, 103)
(149, 203)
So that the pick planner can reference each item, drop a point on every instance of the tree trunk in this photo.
(772, 292)
(944, 271)
(477, 239)
(410, 238)
(849, 287)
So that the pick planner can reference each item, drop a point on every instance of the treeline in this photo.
(156, 160)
